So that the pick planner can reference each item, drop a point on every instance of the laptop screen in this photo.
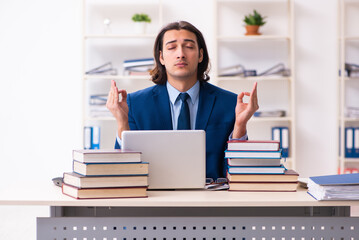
(177, 158)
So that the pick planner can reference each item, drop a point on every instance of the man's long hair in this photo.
(158, 74)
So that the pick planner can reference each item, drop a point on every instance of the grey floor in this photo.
(19, 222)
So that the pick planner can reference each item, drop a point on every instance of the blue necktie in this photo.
(184, 122)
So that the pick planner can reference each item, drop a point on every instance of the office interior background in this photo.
(41, 90)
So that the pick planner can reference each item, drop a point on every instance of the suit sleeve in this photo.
(131, 118)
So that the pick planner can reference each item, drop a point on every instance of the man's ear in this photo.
(161, 58)
(200, 55)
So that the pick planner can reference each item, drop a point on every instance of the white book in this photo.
(105, 155)
(253, 154)
(250, 145)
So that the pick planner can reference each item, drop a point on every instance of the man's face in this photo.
(180, 54)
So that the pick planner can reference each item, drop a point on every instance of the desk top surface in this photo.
(50, 195)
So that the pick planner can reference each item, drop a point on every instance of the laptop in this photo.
(177, 158)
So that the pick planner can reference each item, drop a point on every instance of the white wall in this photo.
(40, 100)
(40, 93)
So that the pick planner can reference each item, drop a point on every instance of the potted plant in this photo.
(140, 20)
(253, 22)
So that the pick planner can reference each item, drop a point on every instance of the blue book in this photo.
(138, 62)
(256, 169)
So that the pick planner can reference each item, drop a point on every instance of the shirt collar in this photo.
(173, 93)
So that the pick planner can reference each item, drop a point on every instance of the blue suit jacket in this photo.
(149, 109)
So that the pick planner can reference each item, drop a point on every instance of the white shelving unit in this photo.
(227, 46)
(348, 85)
(275, 45)
(114, 42)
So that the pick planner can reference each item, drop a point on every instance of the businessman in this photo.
(183, 99)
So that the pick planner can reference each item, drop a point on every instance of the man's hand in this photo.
(244, 111)
(119, 109)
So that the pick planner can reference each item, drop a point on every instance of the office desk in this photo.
(191, 214)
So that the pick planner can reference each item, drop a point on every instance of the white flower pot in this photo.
(140, 27)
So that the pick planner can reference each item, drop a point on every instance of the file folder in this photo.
(95, 137)
(281, 134)
(349, 142)
(356, 142)
(87, 137)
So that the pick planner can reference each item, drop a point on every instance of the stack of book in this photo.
(141, 66)
(256, 166)
(106, 174)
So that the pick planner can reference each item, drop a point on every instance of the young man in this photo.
(181, 67)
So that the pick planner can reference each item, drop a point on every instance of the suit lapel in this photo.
(162, 104)
(205, 105)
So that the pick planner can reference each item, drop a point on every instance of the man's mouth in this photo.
(181, 64)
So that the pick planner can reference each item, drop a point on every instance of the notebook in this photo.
(177, 158)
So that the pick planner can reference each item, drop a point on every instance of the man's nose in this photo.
(180, 53)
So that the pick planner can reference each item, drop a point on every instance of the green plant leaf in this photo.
(141, 17)
(254, 19)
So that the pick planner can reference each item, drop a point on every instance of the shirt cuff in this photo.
(244, 137)
(119, 141)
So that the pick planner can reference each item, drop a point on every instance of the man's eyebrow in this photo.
(189, 40)
(186, 40)
(171, 42)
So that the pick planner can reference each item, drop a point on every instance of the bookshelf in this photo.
(348, 85)
(275, 45)
(109, 36)
(226, 44)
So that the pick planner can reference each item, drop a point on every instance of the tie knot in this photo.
(184, 96)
